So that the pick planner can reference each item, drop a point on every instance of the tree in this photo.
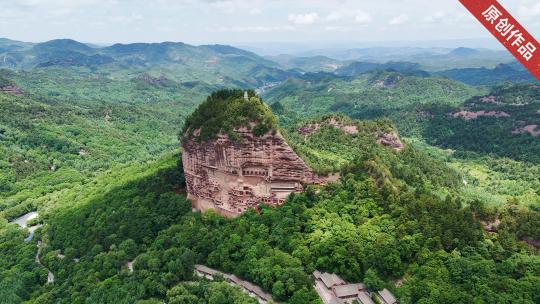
(372, 280)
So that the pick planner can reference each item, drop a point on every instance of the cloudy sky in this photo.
(249, 21)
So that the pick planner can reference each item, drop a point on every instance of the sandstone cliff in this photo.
(231, 176)
(234, 158)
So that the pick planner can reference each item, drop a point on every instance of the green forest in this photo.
(93, 146)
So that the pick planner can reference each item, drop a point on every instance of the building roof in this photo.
(349, 290)
(387, 296)
(234, 279)
(317, 274)
(331, 279)
(335, 300)
(364, 298)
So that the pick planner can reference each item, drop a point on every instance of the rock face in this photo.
(533, 130)
(11, 90)
(231, 176)
(467, 115)
(309, 129)
(390, 140)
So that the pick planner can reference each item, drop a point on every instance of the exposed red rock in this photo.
(533, 130)
(490, 99)
(492, 226)
(532, 242)
(232, 176)
(388, 82)
(11, 90)
(424, 114)
(161, 80)
(468, 115)
(309, 129)
(390, 140)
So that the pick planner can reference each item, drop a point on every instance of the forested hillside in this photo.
(393, 217)
(437, 192)
(490, 131)
(60, 132)
(218, 64)
(371, 95)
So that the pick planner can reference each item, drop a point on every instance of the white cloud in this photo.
(362, 17)
(356, 16)
(224, 6)
(304, 19)
(252, 29)
(440, 15)
(529, 11)
(126, 19)
(255, 11)
(338, 28)
(335, 16)
(397, 20)
(278, 20)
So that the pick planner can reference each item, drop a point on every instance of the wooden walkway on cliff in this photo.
(249, 288)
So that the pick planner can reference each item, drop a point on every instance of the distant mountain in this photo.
(67, 45)
(215, 64)
(462, 51)
(307, 64)
(503, 122)
(430, 59)
(8, 45)
(512, 72)
(370, 95)
(374, 53)
(462, 58)
(358, 68)
(225, 65)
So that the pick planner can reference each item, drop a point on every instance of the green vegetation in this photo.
(490, 135)
(332, 150)
(90, 143)
(368, 96)
(213, 64)
(512, 72)
(5, 82)
(225, 110)
(367, 226)
(81, 126)
(496, 181)
(497, 165)
(93, 229)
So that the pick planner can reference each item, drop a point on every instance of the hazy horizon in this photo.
(274, 48)
(253, 23)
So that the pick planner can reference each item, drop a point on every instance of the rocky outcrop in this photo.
(391, 140)
(311, 128)
(533, 130)
(468, 115)
(11, 90)
(388, 82)
(231, 176)
(490, 99)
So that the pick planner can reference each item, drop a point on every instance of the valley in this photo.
(431, 173)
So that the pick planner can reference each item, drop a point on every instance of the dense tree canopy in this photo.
(225, 110)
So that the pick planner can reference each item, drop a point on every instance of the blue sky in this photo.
(248, 21)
